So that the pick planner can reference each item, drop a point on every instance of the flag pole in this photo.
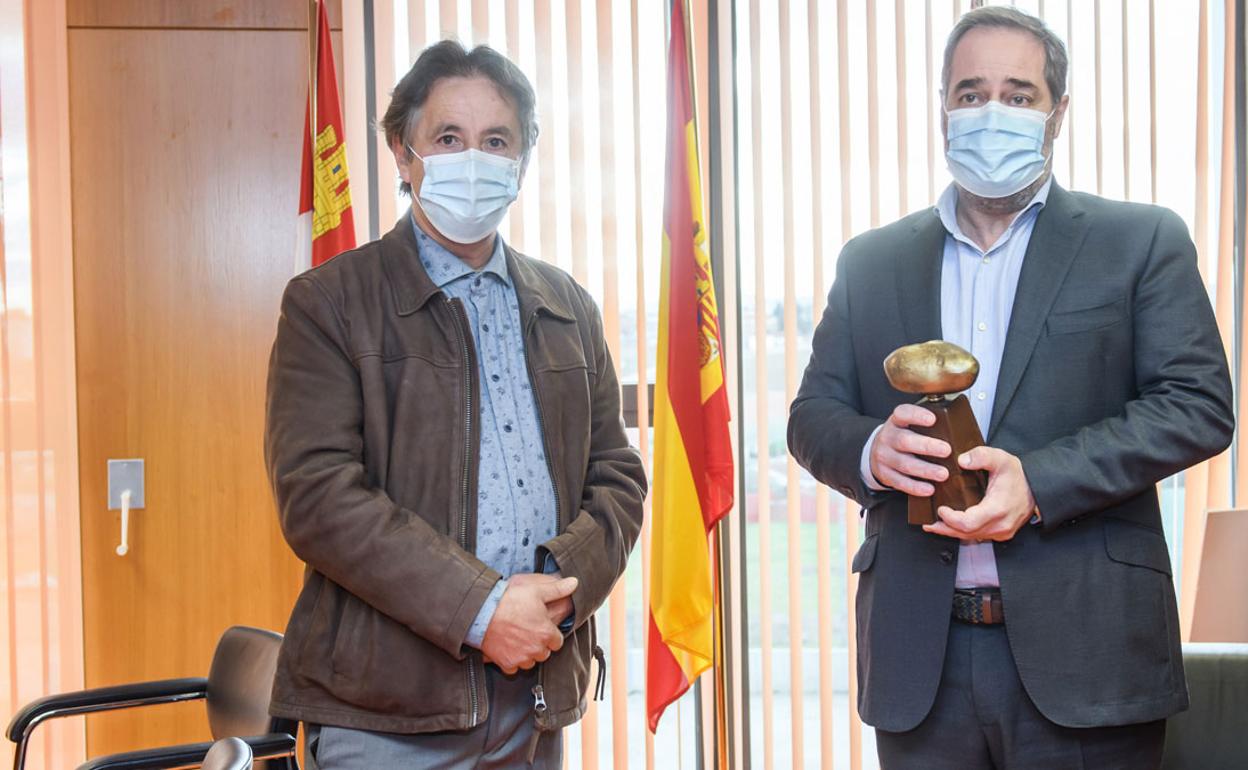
(715, 541)
(719, 700)
(686, 11)
(722, 745)
(314, 29)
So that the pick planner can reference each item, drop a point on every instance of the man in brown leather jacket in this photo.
(445, 444)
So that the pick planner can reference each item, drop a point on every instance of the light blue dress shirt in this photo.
(515, 495)
(976, 300)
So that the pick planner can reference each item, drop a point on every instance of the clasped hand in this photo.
(524, 630)
(896, 462)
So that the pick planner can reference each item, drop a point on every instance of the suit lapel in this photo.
(918, 280)
(1055, 241)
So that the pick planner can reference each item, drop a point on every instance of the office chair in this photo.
(235, 694)
(1213, 733)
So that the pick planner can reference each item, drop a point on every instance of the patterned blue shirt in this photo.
(515, 495)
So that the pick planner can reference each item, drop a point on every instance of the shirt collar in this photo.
(947, 210)
(444, 267)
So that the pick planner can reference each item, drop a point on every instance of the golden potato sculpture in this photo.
(934, 368)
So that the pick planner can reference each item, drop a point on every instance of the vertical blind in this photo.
(40, 565)
(829, 118)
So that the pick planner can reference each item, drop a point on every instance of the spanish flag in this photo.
(693, 478)
(326, 227)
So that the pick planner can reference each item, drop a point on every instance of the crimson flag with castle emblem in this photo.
(326, 224)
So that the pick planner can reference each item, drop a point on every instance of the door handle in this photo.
(124, 548)
(125, 493)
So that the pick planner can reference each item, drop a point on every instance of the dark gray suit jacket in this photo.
(1113, 378)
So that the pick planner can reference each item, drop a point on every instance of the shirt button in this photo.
(987, 260)
(494, 377)
(983, 327)
(982, 395)
(946, 556)
(519, 482)
(477, 282)
(507, 428)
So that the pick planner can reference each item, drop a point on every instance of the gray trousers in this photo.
(501, 741)
(983, 719)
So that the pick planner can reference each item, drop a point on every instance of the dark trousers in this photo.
(983, 720)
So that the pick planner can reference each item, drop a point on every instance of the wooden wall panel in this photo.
(185, 158)
(197, 14)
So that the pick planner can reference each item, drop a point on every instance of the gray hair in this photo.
(1055, 61)
(450, 58)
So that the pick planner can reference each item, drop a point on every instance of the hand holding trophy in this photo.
(936, 370)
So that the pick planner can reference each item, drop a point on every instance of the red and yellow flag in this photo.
(326, 226)
(693, 476)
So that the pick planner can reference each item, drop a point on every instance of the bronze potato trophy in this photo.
(936, 370)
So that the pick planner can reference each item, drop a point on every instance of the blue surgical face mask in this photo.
(465, 194)
(995, 151)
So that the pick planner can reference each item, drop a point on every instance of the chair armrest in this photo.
(268, 746)
(103, 699)
(186, 755)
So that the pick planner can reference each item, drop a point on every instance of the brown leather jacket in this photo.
(371, 444)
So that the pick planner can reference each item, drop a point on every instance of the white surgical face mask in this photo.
(995, 151)
(465, 194)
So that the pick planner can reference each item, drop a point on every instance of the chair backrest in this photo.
(240, 682)
(228, 754)
(1213, 733)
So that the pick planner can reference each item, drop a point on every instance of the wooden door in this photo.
(185, 139)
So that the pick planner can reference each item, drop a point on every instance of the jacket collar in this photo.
(533, 289)
(1055, 241)
(413, 288)
(917, 274)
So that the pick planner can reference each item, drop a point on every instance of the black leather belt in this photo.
(978, 605)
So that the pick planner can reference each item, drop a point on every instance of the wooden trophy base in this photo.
(955, 424)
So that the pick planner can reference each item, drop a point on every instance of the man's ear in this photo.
(944, 119)
(402, 160)
(524, 167)
(1059, 115)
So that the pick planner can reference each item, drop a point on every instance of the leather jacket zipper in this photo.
(540, 713)
(460, 327)
(539, 699)
(600, 688)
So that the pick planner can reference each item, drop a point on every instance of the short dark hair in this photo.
(1055, 61)
(450, 59)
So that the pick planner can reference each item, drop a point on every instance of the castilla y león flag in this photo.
(693, 475)
(326, 227)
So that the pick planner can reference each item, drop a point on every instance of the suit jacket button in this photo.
(946, 556)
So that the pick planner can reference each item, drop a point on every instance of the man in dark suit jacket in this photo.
(1038, 628)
